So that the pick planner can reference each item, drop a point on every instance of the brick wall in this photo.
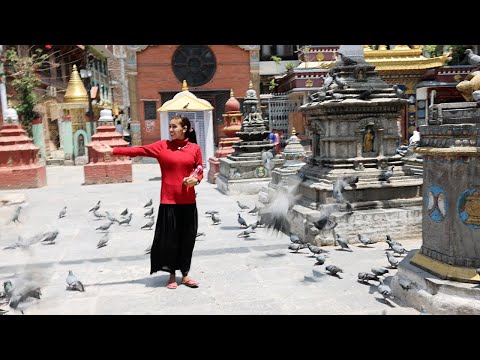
(155, 75)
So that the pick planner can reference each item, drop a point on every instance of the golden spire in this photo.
(184, 85)
(293, 131)
(250, 85)
(382, 47)
(76, 92)
(231, 93)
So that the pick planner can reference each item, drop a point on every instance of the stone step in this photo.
(55, 162)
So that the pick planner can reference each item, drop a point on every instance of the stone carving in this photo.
(469, 208)
(368, 141)
(436, 203)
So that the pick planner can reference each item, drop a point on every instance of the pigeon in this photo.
(364, 95)
(384, 289)
(105, 227)
(73, 283)
(96, 207)
(125, 220)
(391, 242)
(242, 206)
(186, 105)
(124, 212)
(399, 92)
(210, 212)
(379, 271)
(341, 83)
(200, 234)
(365, 277)
(110, 217)
(397, 249)
(103, 241)
(324, 222)
(392, 260)
(49, 237)
(348, 208)
(340, 185)
(386, 175)
(346, 60)
(241, 220)
(296, 247)
(149, 212)
(327, 81)
(254, 210)
(342, 242)
(318, 96)
(316, 249)
(274, 213)
(406, 284)
(63, 212)
(216, 220)
(149, 224)
(148, 204)
(244, 234)
(295, 239)
(333, 270)
(473, 59)
(364, 239)
(16, 215)
(320, 259)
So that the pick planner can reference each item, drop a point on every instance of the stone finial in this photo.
(106, 117)
(184, 85)
(231, 93)
(293, 131)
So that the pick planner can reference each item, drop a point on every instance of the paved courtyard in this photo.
(257, 275)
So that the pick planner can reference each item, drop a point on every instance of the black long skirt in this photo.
(174, 238)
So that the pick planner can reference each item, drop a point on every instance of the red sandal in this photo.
(190, 283)
(172, 284)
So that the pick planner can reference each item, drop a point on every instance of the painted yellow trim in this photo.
(446, 271)
(455, 151)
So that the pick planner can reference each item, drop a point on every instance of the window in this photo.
(150, 110)
(194, 63)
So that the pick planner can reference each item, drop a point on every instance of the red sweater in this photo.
(175, 163)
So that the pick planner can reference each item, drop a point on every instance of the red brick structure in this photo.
(102, 168)
(19, 160)
(233, 123)
(157, 82)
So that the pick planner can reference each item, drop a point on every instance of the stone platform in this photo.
(435, 295)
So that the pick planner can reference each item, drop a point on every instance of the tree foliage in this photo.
(25, 79)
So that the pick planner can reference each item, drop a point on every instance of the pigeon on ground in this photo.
(242, 206)
(254, 210)
(364, 239)
(149, 212)
(105, 227)
(63, 212)
(149, 224)
(342, 242)
(96, 207)
(333, 270)
(103, 241)
(216, 219)
(125, 220)
(365, 277)
(379, 271)
(73, 282)
(49, 237)
(392, 260)
(406, 284)
(316, 249)
(320, 259)
(148, 204)
(241, 221)
(296, 247)
(124, 212)
(16, 215)
(385, 290)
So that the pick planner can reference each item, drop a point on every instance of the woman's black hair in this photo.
(190, 133)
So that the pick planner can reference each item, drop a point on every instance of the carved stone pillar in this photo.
(358, 136)
(380, 142)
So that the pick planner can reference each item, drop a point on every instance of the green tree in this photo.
(23, 71)
(457, 52)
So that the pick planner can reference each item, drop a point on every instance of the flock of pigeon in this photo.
(26, 286)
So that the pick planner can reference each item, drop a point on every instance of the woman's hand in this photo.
(190, 181)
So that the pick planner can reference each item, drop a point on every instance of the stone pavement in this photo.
(257, 275)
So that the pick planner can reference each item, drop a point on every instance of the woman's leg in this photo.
(172, 281)
(187, 236)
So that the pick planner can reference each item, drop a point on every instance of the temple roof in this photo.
(185, 101)
(402, 57)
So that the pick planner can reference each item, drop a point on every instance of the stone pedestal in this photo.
(19, 160)
(444, 269)
(224, 150)
(103, 168)
(243, 171)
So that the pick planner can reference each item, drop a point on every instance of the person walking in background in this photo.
(180, 162)
(119, 127)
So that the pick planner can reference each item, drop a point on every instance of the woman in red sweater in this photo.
(177, 220)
